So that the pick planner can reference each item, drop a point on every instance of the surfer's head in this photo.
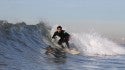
(59, 28)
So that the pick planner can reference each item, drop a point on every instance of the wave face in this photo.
(22, 46)
(95, 44)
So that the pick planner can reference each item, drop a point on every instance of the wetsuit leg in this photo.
(60, 43)
(67, 43)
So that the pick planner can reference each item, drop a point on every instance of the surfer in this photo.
(64, 36)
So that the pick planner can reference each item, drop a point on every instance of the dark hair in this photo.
(59, 27)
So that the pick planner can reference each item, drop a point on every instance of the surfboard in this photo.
(72, 51)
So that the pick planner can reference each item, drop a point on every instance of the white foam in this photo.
(95, 44)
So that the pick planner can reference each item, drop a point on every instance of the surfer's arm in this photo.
(54, 35)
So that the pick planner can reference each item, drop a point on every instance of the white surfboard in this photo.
(72, 51)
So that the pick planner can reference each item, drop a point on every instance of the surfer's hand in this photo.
(53, 40)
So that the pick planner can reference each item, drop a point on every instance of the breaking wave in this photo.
(22, 46)
(95, 44)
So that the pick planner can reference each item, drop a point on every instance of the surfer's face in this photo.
(59, 29)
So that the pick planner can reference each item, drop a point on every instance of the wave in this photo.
(22, 46)
(95, 44)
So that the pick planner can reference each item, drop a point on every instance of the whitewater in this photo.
(22, 47)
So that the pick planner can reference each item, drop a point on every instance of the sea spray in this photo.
(95, 44)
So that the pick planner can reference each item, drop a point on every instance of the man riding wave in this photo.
(64, 36)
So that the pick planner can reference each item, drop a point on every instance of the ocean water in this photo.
(22, 47)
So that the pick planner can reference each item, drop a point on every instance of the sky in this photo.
(102, 15)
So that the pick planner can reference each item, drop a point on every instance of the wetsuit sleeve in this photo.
(54, 35)
(67, 34)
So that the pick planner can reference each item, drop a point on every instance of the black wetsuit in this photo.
(64, 37)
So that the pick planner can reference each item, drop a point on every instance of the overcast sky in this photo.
(107, 15)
